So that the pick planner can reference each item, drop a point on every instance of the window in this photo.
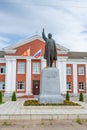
(69, 85)
(36, 68)
(68, 70)
(20, 85)
(21, 67)
(81, 70)
(2, 85)
(2, 69)
(81, 85)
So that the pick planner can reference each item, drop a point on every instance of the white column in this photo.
(13, 75)
(75, 78)
(62, 76)
(86, 78)
(28, 77)
(8, 77)
(43, 63)
(57, 64)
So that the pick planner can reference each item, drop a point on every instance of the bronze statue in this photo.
(50, 49)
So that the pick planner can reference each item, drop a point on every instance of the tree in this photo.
(67, 96)
(81, 98)
(13, 98)
(0, 97)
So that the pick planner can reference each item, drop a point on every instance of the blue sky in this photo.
(65, 19)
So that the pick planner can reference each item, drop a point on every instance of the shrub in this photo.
(31, 102)
(70, 103)
(0, 97)
(81, 98)
(67, 96)
(13, 98)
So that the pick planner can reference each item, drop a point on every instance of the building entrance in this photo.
(36, 87)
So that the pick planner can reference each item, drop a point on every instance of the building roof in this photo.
(20, 43)
(77, 55)
(61, 48)
(11, 47)
(71, 55)
(2, 53)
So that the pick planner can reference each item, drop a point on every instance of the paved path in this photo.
(15, 110)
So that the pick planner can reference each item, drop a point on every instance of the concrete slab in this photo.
(14, 111)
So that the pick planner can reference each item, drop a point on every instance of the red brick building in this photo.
(20, 70)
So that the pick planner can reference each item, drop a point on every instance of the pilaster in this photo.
(75, 78)
(28, 76)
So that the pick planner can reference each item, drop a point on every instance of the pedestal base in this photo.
(50, 86)
(51, 99)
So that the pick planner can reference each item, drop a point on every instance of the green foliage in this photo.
(31, 102)
(0, 97)
(70, 103)
(79, 121)
(13, 98)
(81, 98)
(36, 103)
(67, 96)
(6, 123)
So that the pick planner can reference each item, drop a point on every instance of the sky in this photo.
(65, 19)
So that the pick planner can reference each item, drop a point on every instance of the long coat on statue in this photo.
(50, 48)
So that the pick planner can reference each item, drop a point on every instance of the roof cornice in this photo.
(11, 47)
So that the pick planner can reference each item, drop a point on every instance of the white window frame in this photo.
(2, 85)
(21, 67)
(68, 84)
(68, 70)
(35, 67)
(18, 85)
(81, 70)
(4, 69)
(81, 86)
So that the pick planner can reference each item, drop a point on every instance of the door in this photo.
(36, 87)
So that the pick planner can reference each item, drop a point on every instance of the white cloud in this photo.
(4, 41)
(3, 44)
(63, 18)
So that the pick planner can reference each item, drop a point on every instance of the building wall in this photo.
(21, 77)
(12, 77)
(2, 76)
(76, 77)
(81, 78)
(69, 78)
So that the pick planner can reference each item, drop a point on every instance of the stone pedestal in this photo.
(50, 86)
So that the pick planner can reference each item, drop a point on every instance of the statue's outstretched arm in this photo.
(43, 35)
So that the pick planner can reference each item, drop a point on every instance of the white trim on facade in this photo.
(28, 75)
(61, 65)
(43, 63)
(8, 77)
(75, 85)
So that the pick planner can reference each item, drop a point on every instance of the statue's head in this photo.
(50, 35)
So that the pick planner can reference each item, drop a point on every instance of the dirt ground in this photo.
(43, 125)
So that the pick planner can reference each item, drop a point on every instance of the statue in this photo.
(50, 49)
